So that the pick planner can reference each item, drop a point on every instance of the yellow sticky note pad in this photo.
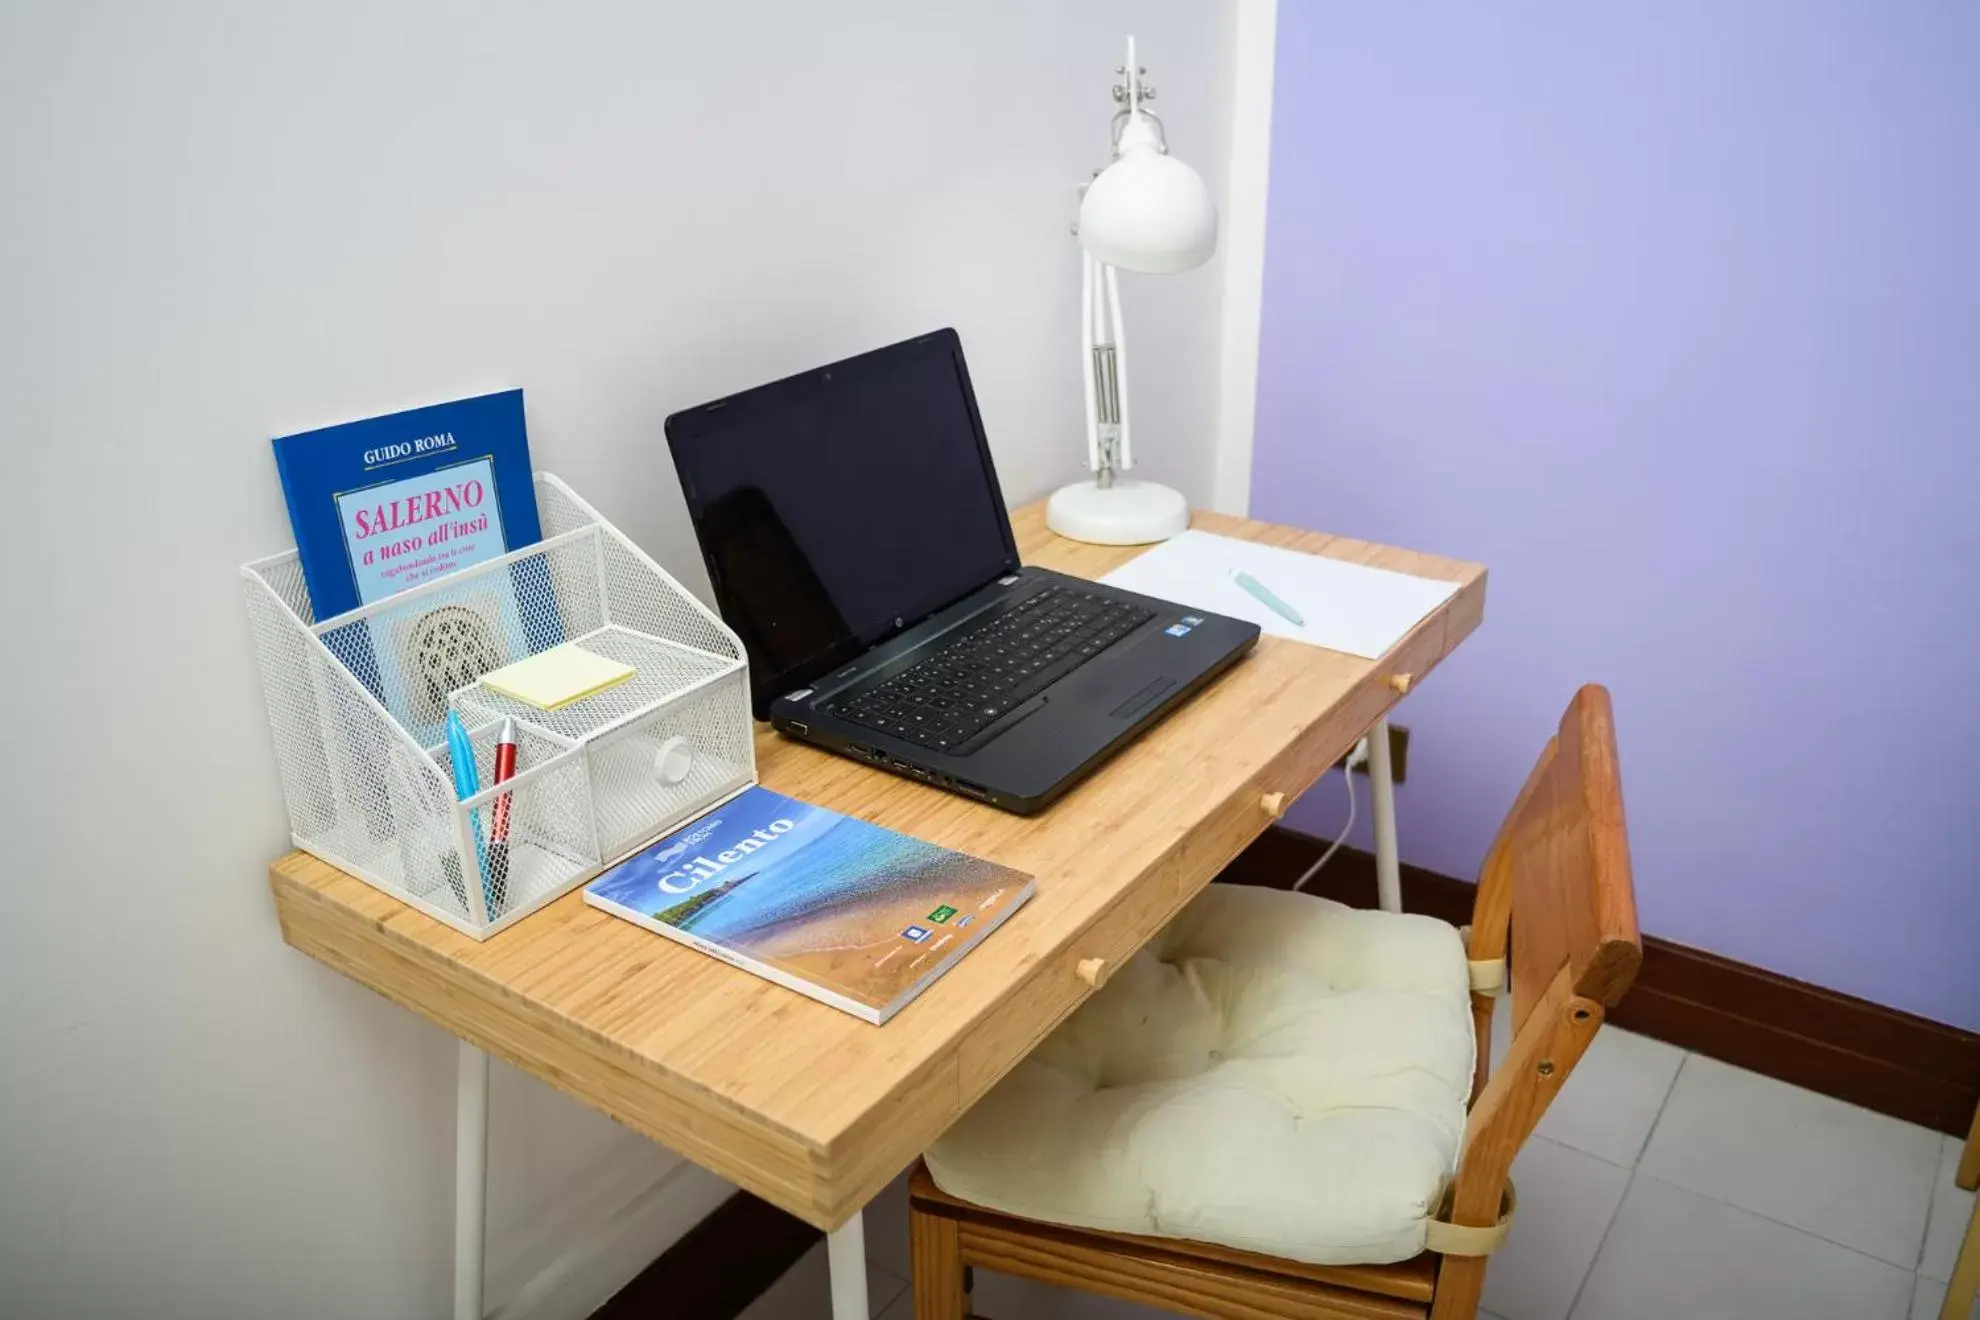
(553, 679)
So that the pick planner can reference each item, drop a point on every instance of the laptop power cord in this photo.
(1355, 758)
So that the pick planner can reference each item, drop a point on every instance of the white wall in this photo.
(221, 224)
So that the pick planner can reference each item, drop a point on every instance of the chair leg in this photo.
(1968, 1175)
(1460, 1282)
(1965, 1285)
(938, 1268)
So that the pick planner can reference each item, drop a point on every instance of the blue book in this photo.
(851, 914)
(390, 502)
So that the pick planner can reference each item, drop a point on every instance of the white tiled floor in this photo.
(1676, 1253)
(1831, 1169)
(1660, 1184)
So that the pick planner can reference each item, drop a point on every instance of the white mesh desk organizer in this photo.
(358, 705)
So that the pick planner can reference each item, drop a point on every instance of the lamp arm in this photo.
(1100, 305)
(1125, 446)
(1086, 345)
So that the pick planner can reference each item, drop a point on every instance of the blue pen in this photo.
(460, 750)
(1265, 597)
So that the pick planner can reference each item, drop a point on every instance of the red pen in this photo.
(498, 830)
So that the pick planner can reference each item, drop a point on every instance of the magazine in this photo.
(853, 915)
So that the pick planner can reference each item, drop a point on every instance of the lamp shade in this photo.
(1148, 212)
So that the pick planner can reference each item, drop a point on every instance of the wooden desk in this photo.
(811, 1108)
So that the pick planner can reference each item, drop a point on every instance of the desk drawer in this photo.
(1049, 997)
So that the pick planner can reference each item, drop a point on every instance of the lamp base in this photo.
(1126, 513)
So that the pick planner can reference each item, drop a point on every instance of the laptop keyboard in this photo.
(945, 700)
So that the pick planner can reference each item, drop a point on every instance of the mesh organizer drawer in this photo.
(652, 749)
(358, 705)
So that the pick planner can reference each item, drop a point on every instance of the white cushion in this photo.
(1274, 1072)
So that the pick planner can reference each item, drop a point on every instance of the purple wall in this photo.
(1670, 314)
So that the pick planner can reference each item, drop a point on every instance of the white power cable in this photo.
(1355, 758)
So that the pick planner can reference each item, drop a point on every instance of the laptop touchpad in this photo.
(1145, 697)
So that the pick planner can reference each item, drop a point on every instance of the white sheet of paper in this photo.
(1347, 607)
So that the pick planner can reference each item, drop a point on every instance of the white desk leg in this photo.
(470, 1183)
(845, 1252)
(1388, 868)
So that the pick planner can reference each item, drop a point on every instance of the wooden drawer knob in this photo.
(1092, 971)
(1401, 682)
(1274, 804)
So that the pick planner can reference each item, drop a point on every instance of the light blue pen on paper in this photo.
(1266, 598)
(460, 751)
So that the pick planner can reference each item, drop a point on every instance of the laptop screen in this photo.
(843, 505)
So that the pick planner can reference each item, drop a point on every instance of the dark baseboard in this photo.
(1909, 1067)
(718, 1268)
(1893, 1062)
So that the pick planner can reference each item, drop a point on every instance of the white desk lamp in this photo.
(1149, 212)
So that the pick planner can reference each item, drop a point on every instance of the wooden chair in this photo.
(1556, 882)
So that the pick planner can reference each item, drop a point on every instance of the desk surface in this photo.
(811, 1108)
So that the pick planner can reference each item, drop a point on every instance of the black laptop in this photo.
(858, 544)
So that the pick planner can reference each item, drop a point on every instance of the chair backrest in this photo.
(1557, 878)
(1557, 882)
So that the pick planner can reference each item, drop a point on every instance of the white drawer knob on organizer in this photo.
(674, 761)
